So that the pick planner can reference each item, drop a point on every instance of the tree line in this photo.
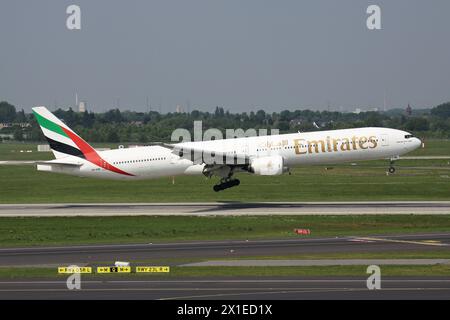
(131, 126)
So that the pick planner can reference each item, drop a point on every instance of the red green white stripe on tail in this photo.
(64, 142)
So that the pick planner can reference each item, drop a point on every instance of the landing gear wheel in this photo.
(391, 170)
(226, 184)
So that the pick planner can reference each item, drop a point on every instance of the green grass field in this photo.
(414, 180)
(93, 230)
(23, 184)
(433, 148)
(28, 151)
(22, 151)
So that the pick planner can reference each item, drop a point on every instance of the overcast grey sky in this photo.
(240, 54)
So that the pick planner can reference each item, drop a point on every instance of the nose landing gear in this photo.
(226, 184)
(391, 169)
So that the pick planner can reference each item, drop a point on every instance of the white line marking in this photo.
(405, 241)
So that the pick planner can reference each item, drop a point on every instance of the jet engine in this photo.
(267, 166)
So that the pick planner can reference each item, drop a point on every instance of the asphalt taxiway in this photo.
(225, 208)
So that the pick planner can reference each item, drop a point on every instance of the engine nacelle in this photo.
(267, 166)
(194, 170)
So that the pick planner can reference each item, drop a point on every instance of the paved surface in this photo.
(17, 163)
(424, 157)
(315, 263)
(232, 288)
(204, 250)
(226, 208)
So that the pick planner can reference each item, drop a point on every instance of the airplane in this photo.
(261, 155)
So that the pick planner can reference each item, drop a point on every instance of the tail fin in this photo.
(62, 140)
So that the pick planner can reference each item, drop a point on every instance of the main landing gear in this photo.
(225, 184)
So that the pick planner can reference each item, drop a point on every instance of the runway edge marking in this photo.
(424, 243)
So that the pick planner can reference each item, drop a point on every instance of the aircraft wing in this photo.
(209, 157)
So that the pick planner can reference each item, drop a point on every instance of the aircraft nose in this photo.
(417, 143)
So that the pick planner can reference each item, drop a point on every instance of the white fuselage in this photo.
(297, 149)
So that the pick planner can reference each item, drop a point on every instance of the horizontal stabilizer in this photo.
(60, 163)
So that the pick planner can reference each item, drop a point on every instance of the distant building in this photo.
(5, 125)
(179, 109)
(82, 106)
(137, 123)
(43, 148)
(19, 124)
(6, 136)
(408, 110)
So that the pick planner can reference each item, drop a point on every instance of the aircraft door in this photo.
(245, 148)
(384, 140)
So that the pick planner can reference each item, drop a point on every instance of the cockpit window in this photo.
(409, 136)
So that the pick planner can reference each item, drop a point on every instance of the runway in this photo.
(225, 208)
(317, 262)
(286, 288)
(204, 250)
(17, 162)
